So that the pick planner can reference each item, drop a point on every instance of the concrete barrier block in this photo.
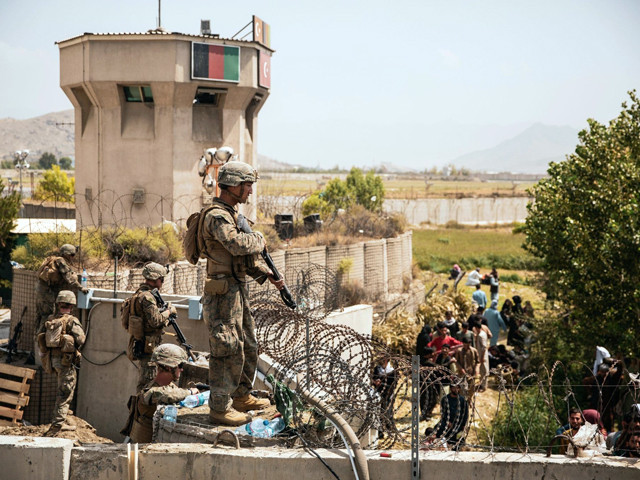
(35, 458)
(99, 462)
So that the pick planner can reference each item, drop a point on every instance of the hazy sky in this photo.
(363, 82)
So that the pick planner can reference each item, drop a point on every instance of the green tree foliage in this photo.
(56, 185)
(367, 190)
(65, 163)
(358, 189)
(47, 160)
(6, 164)
(585, 226)
(9, 208)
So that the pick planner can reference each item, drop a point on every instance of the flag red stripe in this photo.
(216, 61)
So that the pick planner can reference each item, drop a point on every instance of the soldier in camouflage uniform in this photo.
(153, 320)
(55, 274)
(62, 358)
(160, 391)
(231, 255)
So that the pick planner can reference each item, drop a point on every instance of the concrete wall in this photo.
(55, 459)
(471, 211)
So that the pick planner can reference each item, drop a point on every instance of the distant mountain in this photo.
(53, 132)
(528, 152)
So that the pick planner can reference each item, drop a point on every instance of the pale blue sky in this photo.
(415, 83)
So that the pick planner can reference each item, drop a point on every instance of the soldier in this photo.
(55, 274)
(147, 322)
(160, 391)
(231, 255)
(59, 339)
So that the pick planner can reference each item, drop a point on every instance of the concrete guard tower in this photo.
(147, 105)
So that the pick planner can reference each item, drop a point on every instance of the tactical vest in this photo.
(219, 261)
(142, 426)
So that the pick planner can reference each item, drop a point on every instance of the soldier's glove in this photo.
(172, 310)
(84, 290)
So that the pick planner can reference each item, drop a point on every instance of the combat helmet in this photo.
(234, 173)
(153, 271)
(168, 355)
(68, 249)
(66, 296)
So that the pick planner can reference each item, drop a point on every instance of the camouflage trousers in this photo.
(233, 345)
(64, 393)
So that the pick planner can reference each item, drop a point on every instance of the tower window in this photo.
(206, 96)
(138, 93)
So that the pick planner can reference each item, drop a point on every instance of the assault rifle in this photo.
(162, 305)
(243, 224)
(13, 343)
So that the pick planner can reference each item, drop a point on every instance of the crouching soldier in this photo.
(59, 338)
(168, 359)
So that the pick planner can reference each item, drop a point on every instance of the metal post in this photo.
(115, 282)
(415, 417)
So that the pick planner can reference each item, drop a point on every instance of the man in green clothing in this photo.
(150, 322)
(59, 338)
(162, 390)
(232, 255)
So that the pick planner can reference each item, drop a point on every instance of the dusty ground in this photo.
(84, 432)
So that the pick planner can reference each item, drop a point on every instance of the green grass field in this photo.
(438, 249)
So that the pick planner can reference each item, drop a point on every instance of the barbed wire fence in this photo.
(334, 362)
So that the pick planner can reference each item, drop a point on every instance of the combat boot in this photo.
(230, 417)
(249, 402)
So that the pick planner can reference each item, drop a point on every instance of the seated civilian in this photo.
(444, 338)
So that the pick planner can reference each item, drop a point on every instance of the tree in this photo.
(65, 163)
(47, 160)
(368, 189)
(584, 224)
(9, 208)
(55, 186)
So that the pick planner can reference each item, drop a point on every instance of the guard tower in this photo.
(147, 106)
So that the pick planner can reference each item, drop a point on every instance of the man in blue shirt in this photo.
(495, 321)
(479, 297)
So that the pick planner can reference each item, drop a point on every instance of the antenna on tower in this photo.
(159, 14)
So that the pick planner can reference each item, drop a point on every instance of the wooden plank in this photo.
(7, 423)
(14, 399)
(30, 373)
(12, 386)
(11, 413)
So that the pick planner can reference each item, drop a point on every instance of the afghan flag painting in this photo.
(215, 62)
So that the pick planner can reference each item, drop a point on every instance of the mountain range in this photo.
(527, 152)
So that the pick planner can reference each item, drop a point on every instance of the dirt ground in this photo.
(83, 434)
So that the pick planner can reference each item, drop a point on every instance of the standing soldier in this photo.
(59, 339)
(55, 274)
(231, 255)
(160, 391)
(146, 322)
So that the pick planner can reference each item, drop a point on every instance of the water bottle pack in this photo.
(261, 428)
(192, 401)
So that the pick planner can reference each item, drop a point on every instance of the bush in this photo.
(526, 423)
(134, 247)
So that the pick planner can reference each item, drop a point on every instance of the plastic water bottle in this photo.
(192, 401)
(262, 428)
(83, 280)
(170, 413)
(276, 425)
